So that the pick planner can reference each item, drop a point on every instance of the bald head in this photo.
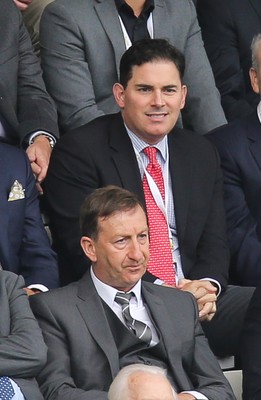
(141, 382)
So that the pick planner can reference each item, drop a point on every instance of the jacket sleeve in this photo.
(22, 349)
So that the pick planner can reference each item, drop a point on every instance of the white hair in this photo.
(254, 48)
(119, 388)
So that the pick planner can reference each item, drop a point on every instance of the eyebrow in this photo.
(144, 85)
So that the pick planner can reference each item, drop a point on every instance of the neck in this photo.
(136, 5)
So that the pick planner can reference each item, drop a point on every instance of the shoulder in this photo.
(174, 297)
(55, 299)
(91, 134)
(10, 281)
(190, 143)
(234, 133)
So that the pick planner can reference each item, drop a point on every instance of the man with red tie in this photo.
(174, 172)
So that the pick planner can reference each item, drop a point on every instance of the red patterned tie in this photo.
(161, 259)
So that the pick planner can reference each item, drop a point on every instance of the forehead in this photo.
(161, 70)
(123, 221)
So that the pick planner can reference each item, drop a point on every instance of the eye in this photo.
(143, 237)
(120, 243)
(144, 89)
(170, 90)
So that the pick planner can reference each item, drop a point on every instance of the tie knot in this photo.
(123, 298)
(151, 153)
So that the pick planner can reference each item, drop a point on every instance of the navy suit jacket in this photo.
(24, 101)
(24, 245)
(101, 153)
(239, 145)
(228, 27)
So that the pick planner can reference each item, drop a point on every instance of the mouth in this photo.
(157, 116)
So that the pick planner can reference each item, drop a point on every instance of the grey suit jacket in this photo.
(24, 102)
(22, 349)
(83, 357)
(81, 47)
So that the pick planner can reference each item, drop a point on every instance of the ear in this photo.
(254, 80)
(118, 92)
(184, 91)
(88, 247)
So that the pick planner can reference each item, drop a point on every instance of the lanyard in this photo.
(126, 36)
(163, 206)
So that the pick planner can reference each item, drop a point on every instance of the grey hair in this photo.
(254, 48)
(119, 389)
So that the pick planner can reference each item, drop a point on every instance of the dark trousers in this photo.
(224, 330)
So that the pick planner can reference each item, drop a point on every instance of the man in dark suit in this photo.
(82, 43)
(90, 336)
(27, 113)
(239, 146)
(109, 150)
(24, 246)
(228, 27)
(22, 349)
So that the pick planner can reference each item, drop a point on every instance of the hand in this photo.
(185, 396)
(39, 155)
(31, 292)
(205, 294)
(22, 5)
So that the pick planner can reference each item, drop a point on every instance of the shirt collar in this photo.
(149, 4)
(259, 111)
(108, 293)
(139, 144)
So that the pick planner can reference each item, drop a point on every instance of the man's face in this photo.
(255, 76)
(144, 386)
(121, 251)
(152, 100)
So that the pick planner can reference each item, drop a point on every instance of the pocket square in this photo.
(16, 192)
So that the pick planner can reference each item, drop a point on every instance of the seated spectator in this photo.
(27, 113)
(238, 144)
(22, 349)
(24, 246)
(32, 12)
(228, 27)
(188, 245)
(110, 319)
(139, 382)
(82, 43)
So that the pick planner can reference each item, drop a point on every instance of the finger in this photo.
(207, 308)
(42, 173)
(209, 297)
(36, 169)
(39, 188)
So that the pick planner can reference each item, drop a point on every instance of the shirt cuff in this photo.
(215, 282)
(197, 395)
(32, 136)
(38, 286)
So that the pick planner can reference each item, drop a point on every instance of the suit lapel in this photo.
(181, 176)
(90, 306)
(124, 158)
(253, 130)
(256, 4)
(171, 341)
(108, 15)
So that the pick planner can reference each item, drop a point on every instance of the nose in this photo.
(158, 98)
(135, 253)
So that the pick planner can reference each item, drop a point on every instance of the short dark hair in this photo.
(103, 203)
(149, 50)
